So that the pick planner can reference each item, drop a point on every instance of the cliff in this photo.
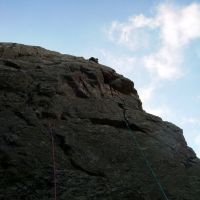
(80, 111)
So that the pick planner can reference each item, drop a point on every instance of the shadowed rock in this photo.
(96, 156)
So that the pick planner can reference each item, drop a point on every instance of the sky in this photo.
(155, 43)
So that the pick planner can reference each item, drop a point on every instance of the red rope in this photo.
(53, 160)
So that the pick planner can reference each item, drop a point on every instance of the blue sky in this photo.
(155, 43)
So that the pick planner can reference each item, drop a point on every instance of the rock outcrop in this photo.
(84, 105)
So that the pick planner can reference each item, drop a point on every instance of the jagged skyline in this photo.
(154, 43)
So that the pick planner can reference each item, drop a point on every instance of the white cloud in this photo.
(179, 25)
(141, 21)
(175, 27)
(123, 64)
(161, 40)
(191, 120)
(164, 64)
(130, 33)
(162, 111)
(146, 93)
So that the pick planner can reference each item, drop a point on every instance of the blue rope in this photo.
(146, 160)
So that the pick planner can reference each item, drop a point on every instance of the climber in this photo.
(93, 59)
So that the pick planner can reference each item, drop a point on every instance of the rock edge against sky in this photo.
(84, 104)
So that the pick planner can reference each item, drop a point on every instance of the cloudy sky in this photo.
(155, 43)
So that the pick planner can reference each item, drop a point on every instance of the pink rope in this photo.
(53, 160)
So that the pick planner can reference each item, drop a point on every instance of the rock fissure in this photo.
(115, 123)
(109, 122)
(135, 127)
(24, 118)
(68, 151)
(189, 162)
(164, 193)
(80, 168)
(11, 64)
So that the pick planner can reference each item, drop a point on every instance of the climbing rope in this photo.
(147, 162)
(155, 177)
(53, 160)
(143, 155)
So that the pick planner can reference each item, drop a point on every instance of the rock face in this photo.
(84, 105)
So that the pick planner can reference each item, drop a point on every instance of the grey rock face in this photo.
(96, 157)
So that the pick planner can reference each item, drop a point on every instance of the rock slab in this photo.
(84, 105)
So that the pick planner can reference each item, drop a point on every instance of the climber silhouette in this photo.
(93, 59)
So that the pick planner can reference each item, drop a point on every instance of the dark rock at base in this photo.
(84, 104)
